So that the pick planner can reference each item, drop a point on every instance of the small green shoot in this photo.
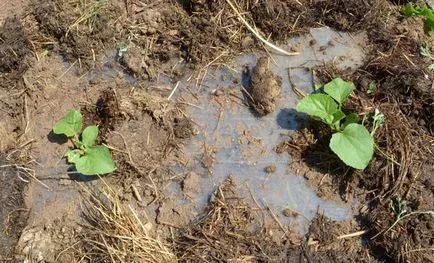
(400, 209)
(372, 87)
(122, 49)
(421, 10)
(377, 121)
(88, 158)
(425, 51)
(351, 142)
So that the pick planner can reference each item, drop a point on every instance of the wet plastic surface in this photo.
(224, 131)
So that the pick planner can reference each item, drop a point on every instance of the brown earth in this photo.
(49, 52)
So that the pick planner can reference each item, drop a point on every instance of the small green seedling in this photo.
(88, 158)
(372, 87)
(421, 10)
(377, 121)
(425, 51)
(122, 49)
(351, 142)
(401, 211)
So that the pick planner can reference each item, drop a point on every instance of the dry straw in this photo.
(115, 233)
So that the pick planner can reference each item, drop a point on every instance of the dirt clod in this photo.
(270, 169)
(133, 60)
(265, 88)
(172, 214)
(190, 185)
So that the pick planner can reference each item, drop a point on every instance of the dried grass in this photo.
(115, 233)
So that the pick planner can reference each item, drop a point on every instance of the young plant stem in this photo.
(77, 143)
(399, 218)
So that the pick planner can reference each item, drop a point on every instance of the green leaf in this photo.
(339, 89)
(338, 116)
(320, 106)
(70, 125)
(73, 155)
(429, 25)
(351, 118)
(89, 135)
(421, 10)
(354, 146)
(97, 160)
(410, 10)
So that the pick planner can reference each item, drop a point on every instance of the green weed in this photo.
(88, 158)
(421, 10)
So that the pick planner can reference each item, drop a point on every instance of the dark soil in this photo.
(82, 30)
(14, 49)
(13, 213)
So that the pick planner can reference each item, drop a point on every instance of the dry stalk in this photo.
(256, 33)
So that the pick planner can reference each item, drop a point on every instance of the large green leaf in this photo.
(354, 145)
(97, 160)
(339, 89)
(89, 135)
(70, 125)
(319, 105)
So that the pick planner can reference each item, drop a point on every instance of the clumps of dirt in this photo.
(190, 185)
(163, 112)
(270, 169)
(14, 49)
(13, 213)
(229, 232)
(48, 243)
(134, 60)
(105, 112)
(10, 125)
(330, 241)
(265, 88)
(114, 232)
(148, 140)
